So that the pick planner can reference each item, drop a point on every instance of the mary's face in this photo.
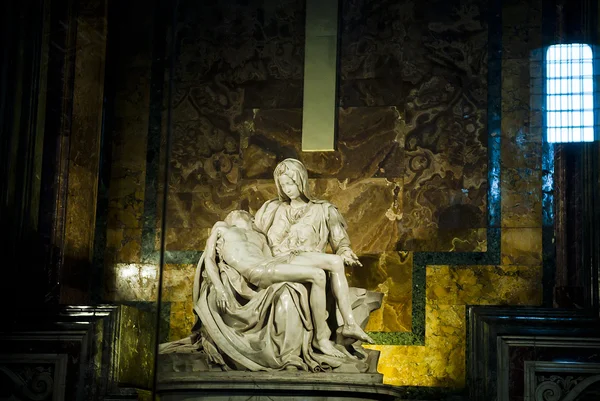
(289, 187)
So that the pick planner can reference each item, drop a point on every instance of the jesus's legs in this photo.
(339, 284)
(318, 280)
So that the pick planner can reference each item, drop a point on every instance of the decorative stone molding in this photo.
(34, 377)
(558, 381)
(503, 340)
(67, 353)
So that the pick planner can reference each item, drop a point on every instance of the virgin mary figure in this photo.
(296, 221)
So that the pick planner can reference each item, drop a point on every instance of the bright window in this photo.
(569, 93)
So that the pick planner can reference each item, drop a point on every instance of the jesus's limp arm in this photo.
(210, 264)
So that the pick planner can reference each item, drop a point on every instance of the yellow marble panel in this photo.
(84, 151)
(130, 142)
(131, 282)
(178, 282)
(484, 285)
(446, 339)
(391, 274)
(126, 201)
(136, 347)
(185, 239)
(79, 223)
(440, 363)
(372, 208)
(181, 320)
(521, 197)
(521, 246)
(123, 245)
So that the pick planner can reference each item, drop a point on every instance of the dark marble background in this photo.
(412, 118)
(410, 172)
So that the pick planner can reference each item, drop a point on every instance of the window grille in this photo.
(570, 104)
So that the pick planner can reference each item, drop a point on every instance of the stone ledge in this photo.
(285, 385)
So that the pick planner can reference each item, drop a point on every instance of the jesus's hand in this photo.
(222, 303)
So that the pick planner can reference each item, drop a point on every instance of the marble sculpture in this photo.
(267, 296)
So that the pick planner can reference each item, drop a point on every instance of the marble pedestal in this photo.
(285, 386)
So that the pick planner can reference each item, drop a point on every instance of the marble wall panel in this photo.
(521, 197)
(126, 199)
(521, 142)
(445, 171)
(276, 134)
(445, 112)
(132, 91)
(371, 207)
(185, 239)
(446, 115)
(128, 148)
(374, 38)
(129, 82)
(371, 92)
(521, 246)
(441, 361)
(391, 274)
(370, 144)
(204, 150)
(521, 145)
(123, 245)
(484, 285)
(447, 324)
(126, 282)
(515, 86)
(273, 94)
(181, 320)
(178, 282)
(239, 41)
(195, 213)
(521, 28)
(137, 344)
(83, 130)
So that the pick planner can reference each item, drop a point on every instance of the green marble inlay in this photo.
(391, 338)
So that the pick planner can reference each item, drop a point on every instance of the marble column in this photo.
(84, 150)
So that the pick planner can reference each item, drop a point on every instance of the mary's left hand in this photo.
(350, 258)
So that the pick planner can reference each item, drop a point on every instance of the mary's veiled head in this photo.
(295, 170)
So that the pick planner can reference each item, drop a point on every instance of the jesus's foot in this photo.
(327, 347)
(354, 331)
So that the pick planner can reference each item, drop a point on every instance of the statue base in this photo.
(191, 362)
(279, 385)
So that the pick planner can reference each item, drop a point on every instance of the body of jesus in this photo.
(237, 243)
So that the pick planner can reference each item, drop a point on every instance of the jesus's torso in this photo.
(242, 249)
